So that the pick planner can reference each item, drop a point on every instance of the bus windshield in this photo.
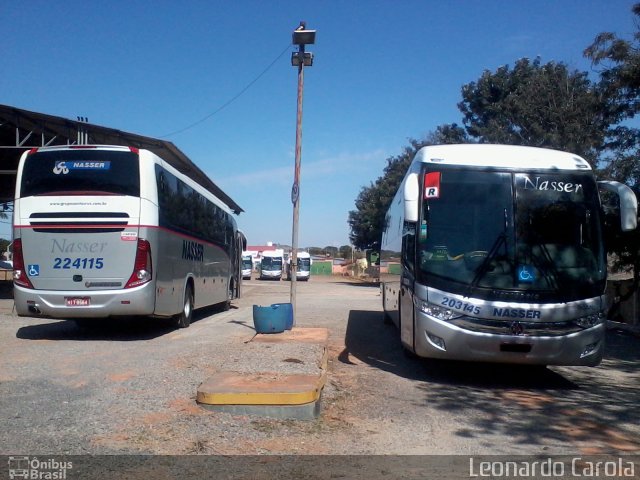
(487, 232)
(271, 263)
(80, 172)
(304, 264)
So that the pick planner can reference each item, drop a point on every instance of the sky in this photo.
(215, 78)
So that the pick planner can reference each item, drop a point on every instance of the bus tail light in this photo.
(20, 277)
(142, 265)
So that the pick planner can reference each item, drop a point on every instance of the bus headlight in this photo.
(590, 320)
(437, 311)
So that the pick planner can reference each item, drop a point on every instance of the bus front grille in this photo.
(517, 327)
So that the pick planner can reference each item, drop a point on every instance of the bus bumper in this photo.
(436, 338)
(89, 304)
(271, 275)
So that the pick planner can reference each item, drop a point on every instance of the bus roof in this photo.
(501, 156)
(39, 129)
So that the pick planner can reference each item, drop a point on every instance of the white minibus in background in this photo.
(304, 266)
(271, 265)
(104, 231)
(247, 265)
(495, 253)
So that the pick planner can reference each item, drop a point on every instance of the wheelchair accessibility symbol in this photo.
(33, 270)
(526, 274)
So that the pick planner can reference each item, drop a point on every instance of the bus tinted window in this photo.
(186, 211)
(75, 172)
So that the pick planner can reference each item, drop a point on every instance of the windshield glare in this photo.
(304, 264)
(524, 232)
(272, 263)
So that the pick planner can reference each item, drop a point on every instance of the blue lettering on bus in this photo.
(516, 313)
(192, 251)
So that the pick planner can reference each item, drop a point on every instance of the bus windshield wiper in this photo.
(546, 265)
(484, 266)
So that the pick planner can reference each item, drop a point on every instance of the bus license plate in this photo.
(78, 301)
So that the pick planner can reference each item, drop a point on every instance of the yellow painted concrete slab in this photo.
(268, 388)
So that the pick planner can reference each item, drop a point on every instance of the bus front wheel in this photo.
(183, 319)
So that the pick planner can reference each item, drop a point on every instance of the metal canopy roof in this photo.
(21, 130)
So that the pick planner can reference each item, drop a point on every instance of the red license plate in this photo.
(78, 301)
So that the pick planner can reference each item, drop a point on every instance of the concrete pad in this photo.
(308, 411)
(296, 334)
(247, 390)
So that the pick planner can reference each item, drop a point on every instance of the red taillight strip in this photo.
(142, 270)
(20, 277)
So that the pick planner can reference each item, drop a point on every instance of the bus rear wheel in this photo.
(183, 319)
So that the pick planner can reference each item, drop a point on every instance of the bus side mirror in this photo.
(628, 204)
(411, 195)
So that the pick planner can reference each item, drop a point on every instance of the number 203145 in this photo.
(78, 263)
(458, 305)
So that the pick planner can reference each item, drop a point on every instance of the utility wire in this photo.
(233, 99)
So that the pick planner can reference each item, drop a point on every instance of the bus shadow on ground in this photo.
(372, 341)
(360, 283)
(6, 290)
(121, 329)
(594, 407)
(112, 329)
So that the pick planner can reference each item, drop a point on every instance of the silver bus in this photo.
(271, 265)
(104, 231)
(495, 253)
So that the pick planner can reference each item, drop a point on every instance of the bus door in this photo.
(407, 280)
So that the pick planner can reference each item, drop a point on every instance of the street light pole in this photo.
(300, 59)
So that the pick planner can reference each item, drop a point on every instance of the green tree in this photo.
(331, 251)
(537, 105)
(345, 251)
(619, 63)
(366, 222)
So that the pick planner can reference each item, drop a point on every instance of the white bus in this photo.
(247, 265)
(494, 253)
(271, 265)
(104, 231)
(303, 272)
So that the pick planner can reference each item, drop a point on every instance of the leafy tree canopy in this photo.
(544, 105)
(367, 220)
(536, 105)
(619, 63)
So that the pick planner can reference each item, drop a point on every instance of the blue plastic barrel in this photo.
(273, 319)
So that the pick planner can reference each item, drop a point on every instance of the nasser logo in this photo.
(516, 328)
